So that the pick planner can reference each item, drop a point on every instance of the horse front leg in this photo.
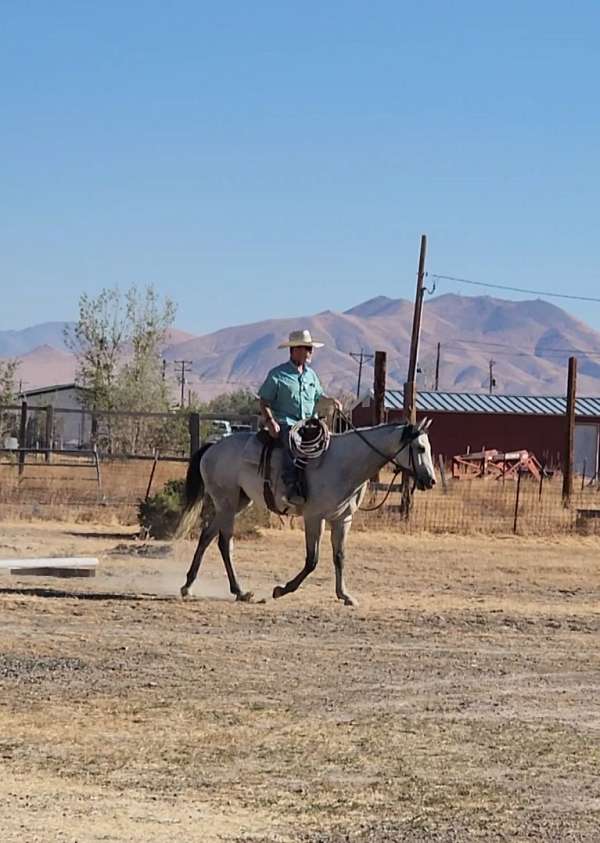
(313, 530)
(339, 534)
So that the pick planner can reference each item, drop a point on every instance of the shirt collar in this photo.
(293, 369)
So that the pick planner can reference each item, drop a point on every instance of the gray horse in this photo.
(226, 476)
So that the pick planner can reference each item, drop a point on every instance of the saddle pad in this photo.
(252, 451)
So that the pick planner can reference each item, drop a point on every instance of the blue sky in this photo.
(267, 159)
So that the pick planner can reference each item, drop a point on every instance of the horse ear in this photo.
(427, 425)
(423, 424)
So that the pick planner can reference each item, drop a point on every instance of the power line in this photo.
(540, 353)
(513, 289)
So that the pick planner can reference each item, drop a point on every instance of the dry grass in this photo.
(459, 703)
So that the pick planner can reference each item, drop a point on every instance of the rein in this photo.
(399, 469)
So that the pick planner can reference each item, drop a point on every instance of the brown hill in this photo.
(44, 366)
(529, 342)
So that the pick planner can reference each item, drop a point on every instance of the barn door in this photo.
(586, 449)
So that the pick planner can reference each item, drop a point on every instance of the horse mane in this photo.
(370, 427)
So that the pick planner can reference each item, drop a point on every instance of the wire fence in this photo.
(70, 490)
(522, 506)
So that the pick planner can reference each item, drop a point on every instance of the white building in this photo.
(71, 429)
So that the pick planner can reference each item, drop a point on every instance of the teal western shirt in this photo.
(291, 395)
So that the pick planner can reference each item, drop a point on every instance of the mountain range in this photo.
(527, 342)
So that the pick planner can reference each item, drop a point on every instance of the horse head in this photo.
(415, 454)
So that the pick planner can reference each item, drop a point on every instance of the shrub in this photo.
(159, 515)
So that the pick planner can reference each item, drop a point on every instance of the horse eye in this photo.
(421, 449)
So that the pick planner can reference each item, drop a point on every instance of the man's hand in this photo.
(273, 428)
(338, 405)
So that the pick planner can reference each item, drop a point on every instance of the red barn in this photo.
(464, 421)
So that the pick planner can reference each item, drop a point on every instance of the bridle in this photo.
(411, 471)
(407, 440)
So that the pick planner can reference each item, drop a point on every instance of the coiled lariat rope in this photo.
(308, 440)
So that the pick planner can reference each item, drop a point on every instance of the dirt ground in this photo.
(459, 702)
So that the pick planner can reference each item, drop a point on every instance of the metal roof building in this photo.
(465, 421)
(467, 402)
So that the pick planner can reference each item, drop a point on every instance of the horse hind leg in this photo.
(226, 547)
(209, 532)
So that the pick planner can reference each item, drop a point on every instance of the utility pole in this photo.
(437, 367)
(570, 432)
(410, 390)
(410, 408)
(186, 365)
(492, 378)
(360, 358)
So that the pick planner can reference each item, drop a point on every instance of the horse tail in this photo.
(193, 493)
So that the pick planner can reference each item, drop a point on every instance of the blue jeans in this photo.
(289, 472)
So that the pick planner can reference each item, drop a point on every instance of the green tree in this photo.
(140, 385)
(242, 402)
(97, 340)
(117, 341)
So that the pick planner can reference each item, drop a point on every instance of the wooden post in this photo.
(48, 436)
(567, 491)
(194, 428)
(378, 411)
(410, 409)
(154, 462)
(379, 387)
(443, 473)
(22, 436)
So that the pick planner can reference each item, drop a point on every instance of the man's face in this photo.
(301, 354)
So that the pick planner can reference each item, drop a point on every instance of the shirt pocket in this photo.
(309, 391)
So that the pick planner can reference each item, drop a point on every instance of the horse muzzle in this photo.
(425, 482)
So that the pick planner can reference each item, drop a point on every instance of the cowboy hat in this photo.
(300, 338)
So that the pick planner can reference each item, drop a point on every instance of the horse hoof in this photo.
(349, 601)
(278, 591)
(245, 597)
(184, 591)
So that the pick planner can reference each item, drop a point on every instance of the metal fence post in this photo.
(48, 436)
(22, 436)
(519, 472)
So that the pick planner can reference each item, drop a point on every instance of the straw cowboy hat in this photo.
(300, 338)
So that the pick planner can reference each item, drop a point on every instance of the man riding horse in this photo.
(290, 394)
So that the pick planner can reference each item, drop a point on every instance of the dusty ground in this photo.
(460, 701)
